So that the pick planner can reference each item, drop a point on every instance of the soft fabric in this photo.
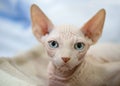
(26, 69)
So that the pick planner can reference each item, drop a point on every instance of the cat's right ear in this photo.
(41, 25)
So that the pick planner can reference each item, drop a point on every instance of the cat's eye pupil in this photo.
(53, 44)
(79, 46)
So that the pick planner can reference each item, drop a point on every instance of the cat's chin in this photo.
(65, 71)
(66, 68)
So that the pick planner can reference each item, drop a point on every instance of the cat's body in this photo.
(72, 63)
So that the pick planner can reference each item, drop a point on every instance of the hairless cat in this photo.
(73, 61)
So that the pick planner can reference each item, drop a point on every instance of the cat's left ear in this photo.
(41, 25)
(93, 28)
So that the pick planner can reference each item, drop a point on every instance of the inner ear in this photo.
(41, 25)
(93, 28)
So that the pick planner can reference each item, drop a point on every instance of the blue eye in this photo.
(53, 44)
(79, 46)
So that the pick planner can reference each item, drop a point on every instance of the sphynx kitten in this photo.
(72, 64)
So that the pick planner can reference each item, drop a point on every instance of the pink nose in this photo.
(65, 59)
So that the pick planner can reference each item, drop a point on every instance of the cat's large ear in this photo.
(93, 28)
(41, 25)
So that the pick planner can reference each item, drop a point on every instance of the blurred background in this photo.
(15, 23)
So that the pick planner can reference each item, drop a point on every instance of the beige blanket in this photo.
(27, 69)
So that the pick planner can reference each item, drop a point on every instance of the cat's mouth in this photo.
(65, 67)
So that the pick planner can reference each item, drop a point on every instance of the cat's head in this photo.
(66, 44)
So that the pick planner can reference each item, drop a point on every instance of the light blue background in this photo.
(15, 24)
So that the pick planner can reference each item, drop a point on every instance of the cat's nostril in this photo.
(65, 59)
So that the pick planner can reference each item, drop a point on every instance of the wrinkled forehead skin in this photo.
(68, 32)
